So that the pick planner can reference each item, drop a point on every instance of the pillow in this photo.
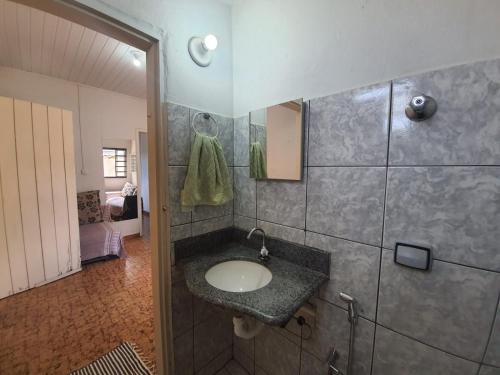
(89, 207)
(129, 189)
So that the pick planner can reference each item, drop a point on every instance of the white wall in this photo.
(106, 115)
(97, 115)
(115, 183)
(290, 49)
(209, 89)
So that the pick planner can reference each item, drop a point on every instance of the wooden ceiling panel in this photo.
(81, 54)
(12, 36)
(74, 40)
(60, 45)
(48, 41)
(92, 57)
(39, 42)
(36, 35)
(23, 29)
(106, 52)
(111, 65)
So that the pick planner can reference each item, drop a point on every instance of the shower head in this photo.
(346, 298)
(421, 107)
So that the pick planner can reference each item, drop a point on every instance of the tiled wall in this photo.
(180, 134)
(202, 333)
(373, 178)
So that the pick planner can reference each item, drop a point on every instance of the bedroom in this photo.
(51, 64)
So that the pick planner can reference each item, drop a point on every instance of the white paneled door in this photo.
(39, 236)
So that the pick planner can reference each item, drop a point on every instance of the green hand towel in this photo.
(257, 162)
(207, 181)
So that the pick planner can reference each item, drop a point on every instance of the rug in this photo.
(124, 360)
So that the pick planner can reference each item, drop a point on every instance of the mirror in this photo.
(276, 139)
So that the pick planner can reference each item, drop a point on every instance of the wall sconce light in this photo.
(201, 49)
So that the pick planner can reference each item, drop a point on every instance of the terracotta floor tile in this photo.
(64, 325)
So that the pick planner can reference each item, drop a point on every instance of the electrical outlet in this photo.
(308, 312)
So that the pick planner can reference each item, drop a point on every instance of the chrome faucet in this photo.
(264, 253)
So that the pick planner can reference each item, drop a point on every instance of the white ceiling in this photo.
(39, 42)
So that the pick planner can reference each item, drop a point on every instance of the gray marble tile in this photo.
(245, 223)
(305, 141)
(332, 330)
(182, 309)
(241, 141)
(211, 338)
(310, 365)
(234, 368)
(203, 311)
(210, 225)
(208, 212)
(171, 250)
(292, 328)
(282, 202)
(217, 364)
(350, 128)
(246, 362)
(244, 192)
(397, 355)
(288, 333)
(179, 135)
(354, 269)
(465, 128)
(177, 275)
(492, 356)
(226, 132)
(180, 232)
(282, 232)
(346, 202)
(488, 370)
(453, 210)
(176, 177)
(183, 354)
(275, 354)
(245, 346)
(451, 307)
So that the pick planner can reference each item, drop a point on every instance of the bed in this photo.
(114, 205)
(99, 241)
(121, 205)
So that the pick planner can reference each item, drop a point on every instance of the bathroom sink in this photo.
(238, 276)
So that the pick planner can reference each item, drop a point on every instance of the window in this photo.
(114, 161)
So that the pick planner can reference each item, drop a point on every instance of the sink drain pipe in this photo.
(246, 327)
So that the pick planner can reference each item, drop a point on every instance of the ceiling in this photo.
(39, 42)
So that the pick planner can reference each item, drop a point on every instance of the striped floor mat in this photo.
(124, 360)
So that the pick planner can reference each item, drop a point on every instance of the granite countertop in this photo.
(291, 285)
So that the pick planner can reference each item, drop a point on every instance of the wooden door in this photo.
(11, 199)
(39, 233)
(28, 192)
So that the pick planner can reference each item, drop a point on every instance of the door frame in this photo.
(91, 17)
(138, 168)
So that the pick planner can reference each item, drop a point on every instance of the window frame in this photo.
(125, 163)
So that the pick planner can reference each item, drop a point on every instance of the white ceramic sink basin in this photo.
(238, 276)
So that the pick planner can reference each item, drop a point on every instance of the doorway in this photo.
(158, 184)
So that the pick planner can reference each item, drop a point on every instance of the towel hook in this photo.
(206, 116)
(421, 107)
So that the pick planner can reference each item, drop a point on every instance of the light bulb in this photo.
(210, 42)
(136, 62)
